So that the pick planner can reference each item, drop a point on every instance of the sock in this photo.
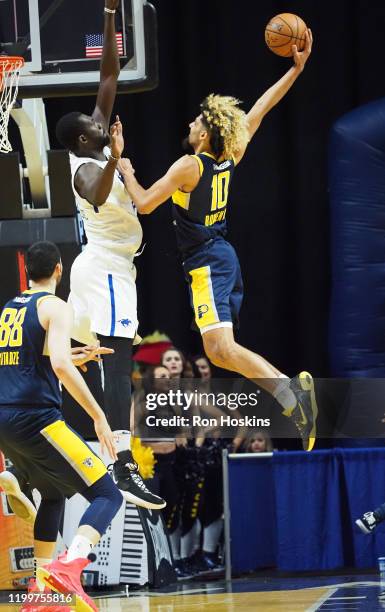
(80, 548)
(188, 539)
(197, 537)
(211, 535)
(39, 562)
(175, 543)
(122, 440)
(284, 395)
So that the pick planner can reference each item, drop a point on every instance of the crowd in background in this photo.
(188, 471)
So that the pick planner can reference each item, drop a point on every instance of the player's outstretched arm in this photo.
(56, 318)
(183, 174)
(274, 94)
(109, 67)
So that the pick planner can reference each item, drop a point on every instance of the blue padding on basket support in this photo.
(357, 198)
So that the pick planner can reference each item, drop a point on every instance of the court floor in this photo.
(264, 594)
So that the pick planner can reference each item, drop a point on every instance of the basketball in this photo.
(283, 31)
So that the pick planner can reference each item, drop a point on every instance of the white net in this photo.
(9, 82)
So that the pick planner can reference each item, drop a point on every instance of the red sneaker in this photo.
(38, 606)
(64, 578)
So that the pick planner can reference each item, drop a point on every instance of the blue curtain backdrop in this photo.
(308, 510)
(357, 204)
(252, 514)
(296, 511)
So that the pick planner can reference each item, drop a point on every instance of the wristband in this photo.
(111, 11)
(115, 159)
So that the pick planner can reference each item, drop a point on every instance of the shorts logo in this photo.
(202, 310)
(88, 462)
(125, 322)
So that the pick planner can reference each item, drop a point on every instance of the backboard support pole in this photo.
(31, 120)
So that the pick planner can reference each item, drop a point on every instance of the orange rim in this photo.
(9, 63)
(12, 62)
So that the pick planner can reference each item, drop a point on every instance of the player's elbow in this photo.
(144, 208)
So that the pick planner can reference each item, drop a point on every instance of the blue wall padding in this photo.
(357, 202)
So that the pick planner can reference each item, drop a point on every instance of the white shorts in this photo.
(103, 296)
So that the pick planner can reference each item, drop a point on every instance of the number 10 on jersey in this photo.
(220, 190)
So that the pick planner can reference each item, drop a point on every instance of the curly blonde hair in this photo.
(226, 123)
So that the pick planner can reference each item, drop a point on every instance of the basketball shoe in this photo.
(304, 414)
(64, 577)
(38, 606)
(14, 485)
(125, 473)
(367, 522)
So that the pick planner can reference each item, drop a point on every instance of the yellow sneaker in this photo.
(305, 412)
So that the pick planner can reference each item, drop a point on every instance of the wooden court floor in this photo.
(299, 594)
(277, 601)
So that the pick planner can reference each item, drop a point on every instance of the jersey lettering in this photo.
(220, 190)
(11, 327)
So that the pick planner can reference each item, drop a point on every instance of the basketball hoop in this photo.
(9, 81)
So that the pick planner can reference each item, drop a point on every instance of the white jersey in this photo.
(114, 225)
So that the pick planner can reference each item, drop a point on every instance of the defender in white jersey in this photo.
(103, 292)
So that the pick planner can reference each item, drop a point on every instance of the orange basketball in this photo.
(283, 31)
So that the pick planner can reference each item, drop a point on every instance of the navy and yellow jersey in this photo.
(27, 379)
(201, 215)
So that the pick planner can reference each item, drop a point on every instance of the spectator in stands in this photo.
(174, 361)
(202, 367)
(258, 441)
(162, 442)
(189, 474)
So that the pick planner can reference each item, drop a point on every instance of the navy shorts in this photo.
(216, 288)
(47, 451)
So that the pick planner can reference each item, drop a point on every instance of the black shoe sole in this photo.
(142, 503)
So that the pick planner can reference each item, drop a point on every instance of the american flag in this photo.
(94, 44)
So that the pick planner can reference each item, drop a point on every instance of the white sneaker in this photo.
(367, 522)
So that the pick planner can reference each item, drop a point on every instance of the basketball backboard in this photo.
(60, 41)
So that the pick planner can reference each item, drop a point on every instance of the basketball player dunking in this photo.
(103, 291)
(199, 185)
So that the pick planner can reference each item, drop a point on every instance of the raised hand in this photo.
(117, 140)
(105, 437)
(82, 354)
(301, 57)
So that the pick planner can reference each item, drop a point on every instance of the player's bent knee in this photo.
(220, 354)
(116, 498)
(105, 501)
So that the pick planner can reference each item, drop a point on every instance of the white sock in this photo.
(39, 562)
(80, 548)
(211, 536)
(187, 541)
(175, 543)
(122, 440)
(197, 537)
(284, 395)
